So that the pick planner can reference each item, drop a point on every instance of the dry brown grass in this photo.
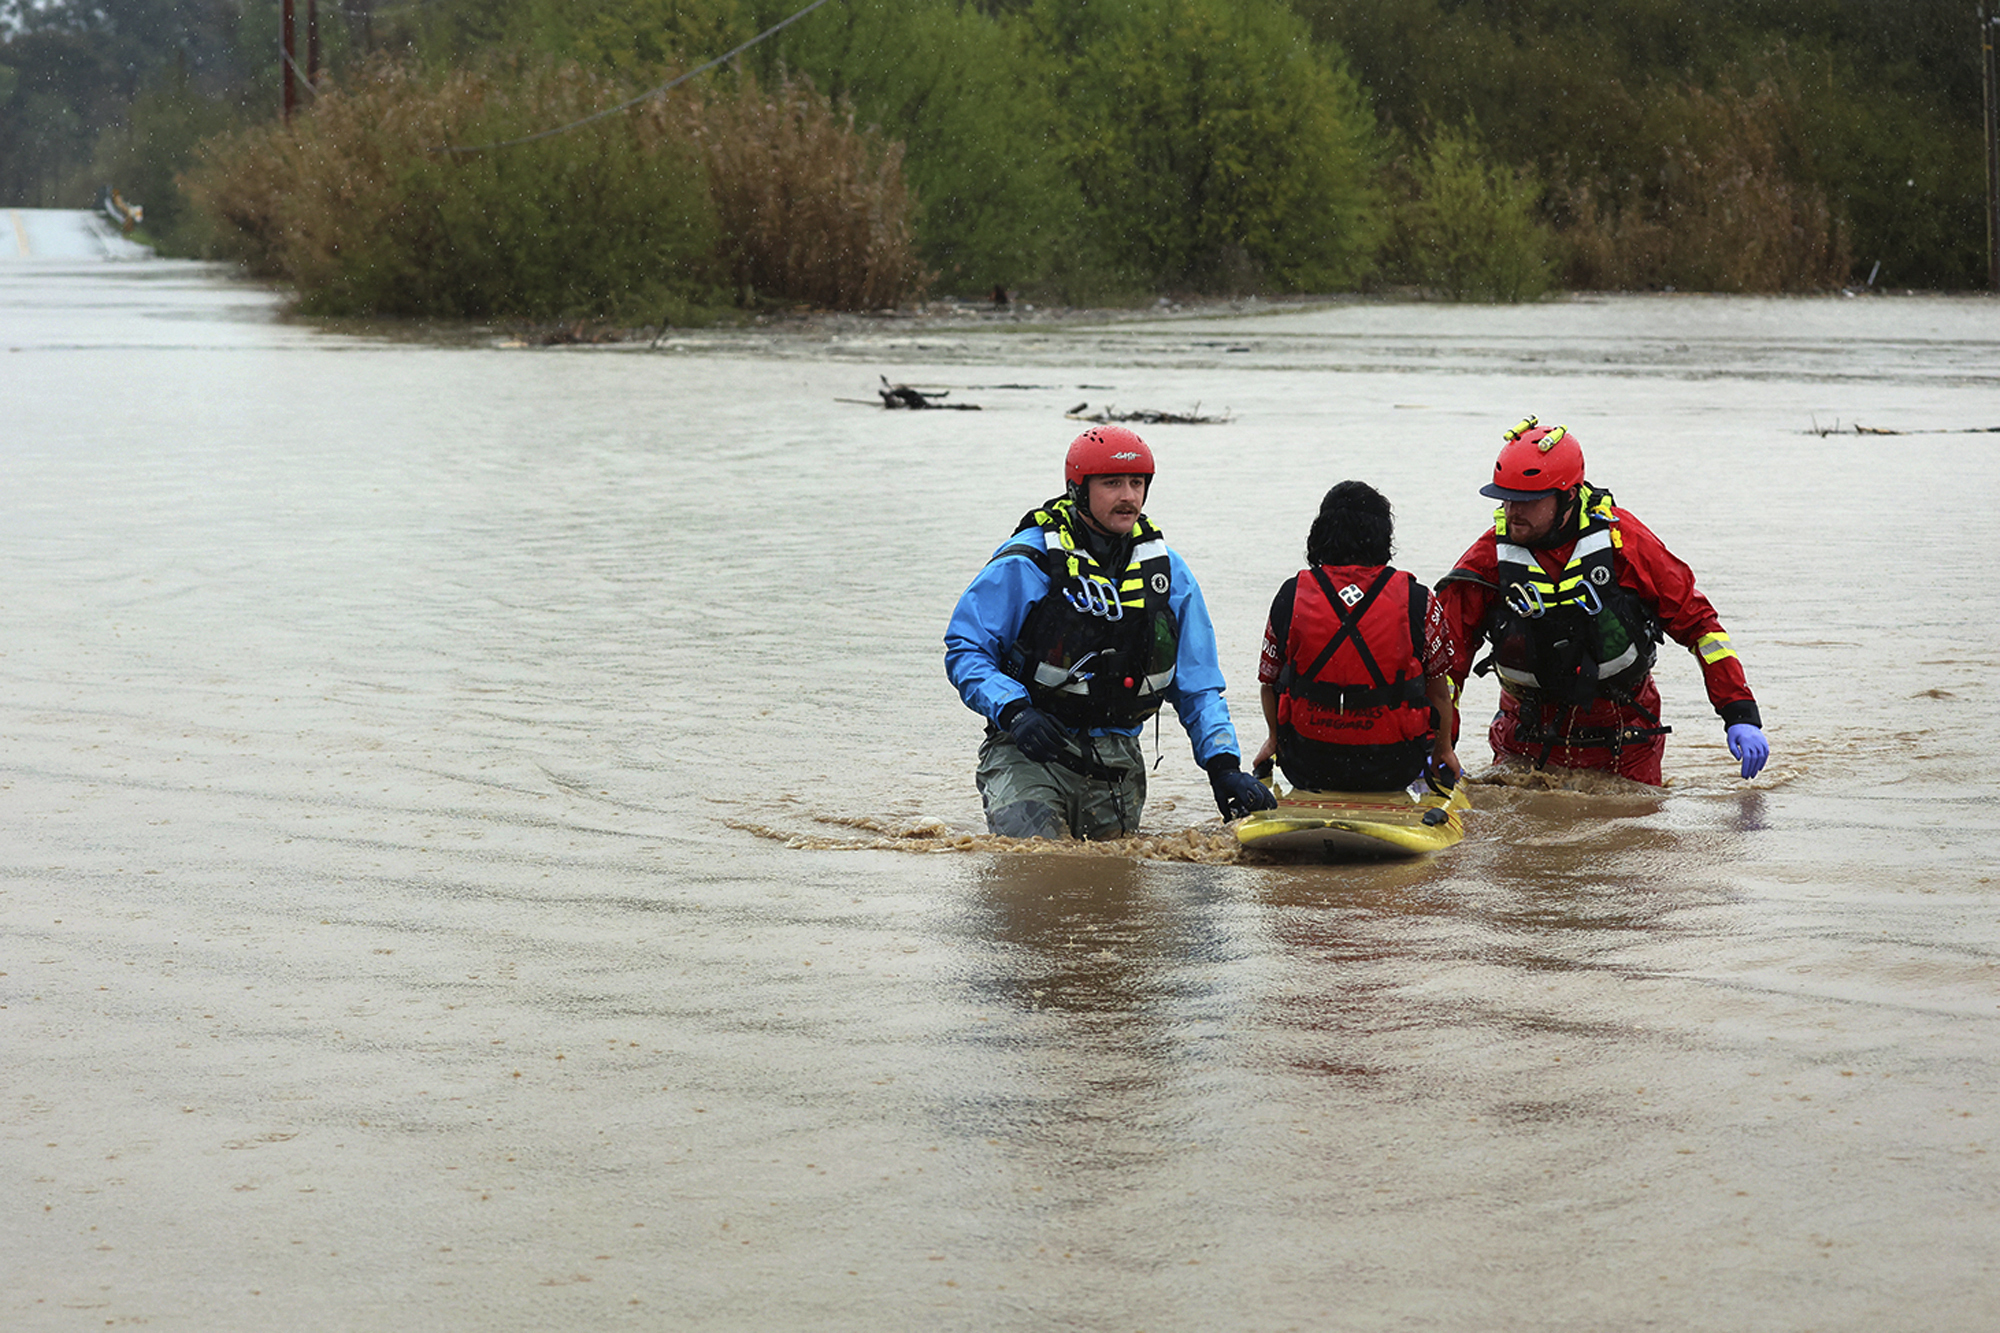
(354, 204)
(1727, 211)
(813, 209)
(658, 209)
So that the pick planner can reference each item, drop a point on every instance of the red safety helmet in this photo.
(1535, 461)
(1107, 451)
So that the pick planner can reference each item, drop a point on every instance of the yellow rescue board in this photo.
(1341, 825)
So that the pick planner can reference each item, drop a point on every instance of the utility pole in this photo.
(286, 64)
(289, 74)
(1989, 28)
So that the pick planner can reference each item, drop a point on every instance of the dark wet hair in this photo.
(1355, 526)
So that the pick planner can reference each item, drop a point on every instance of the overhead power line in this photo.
(664, 88)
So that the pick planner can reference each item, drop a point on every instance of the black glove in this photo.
(1040, 736)
(1236, 792)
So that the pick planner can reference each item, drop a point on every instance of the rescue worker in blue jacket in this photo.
(1070, 638)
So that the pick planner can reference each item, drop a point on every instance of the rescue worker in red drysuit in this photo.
(1356, 664)
(1574, 594)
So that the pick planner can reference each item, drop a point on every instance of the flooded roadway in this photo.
(486, 843)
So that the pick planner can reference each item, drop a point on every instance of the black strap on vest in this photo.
(1350, 618)
(1349, 698)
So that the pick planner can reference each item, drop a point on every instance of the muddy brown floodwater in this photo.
(486, 842)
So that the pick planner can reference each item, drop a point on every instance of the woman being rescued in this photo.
(1356, 654)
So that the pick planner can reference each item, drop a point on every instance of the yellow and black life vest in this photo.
(1576, 635)
(1099, 649)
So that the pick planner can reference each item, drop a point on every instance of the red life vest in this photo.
(1354, 672)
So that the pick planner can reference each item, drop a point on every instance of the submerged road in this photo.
(64, 234)
(487, 845)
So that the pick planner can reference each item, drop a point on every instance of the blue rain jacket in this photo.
(988, 619)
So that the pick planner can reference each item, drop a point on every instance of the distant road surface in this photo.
(63, 234)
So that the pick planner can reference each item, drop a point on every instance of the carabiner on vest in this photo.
(1099, 598)
(1525, 599)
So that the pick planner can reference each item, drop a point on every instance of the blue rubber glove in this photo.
(1237, 793)
(1746, 742)
(1040, 736)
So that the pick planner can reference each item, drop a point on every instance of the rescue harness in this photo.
(1099, 649)
(1564, 640)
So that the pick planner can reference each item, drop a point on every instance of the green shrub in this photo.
(1904, 172)
(973, 102)
(1877, 119)
(1216, 146)
(56, 90)
(629, 37)
(355, 205)
(1467, 227)
(657, 210)
(143, 157)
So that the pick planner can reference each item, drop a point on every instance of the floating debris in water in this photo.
(916, 400)
(1837, 429)
(1144, 416)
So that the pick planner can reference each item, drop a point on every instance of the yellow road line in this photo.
(20, 232)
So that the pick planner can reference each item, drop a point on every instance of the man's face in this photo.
(1531, 521)
(1112, 503)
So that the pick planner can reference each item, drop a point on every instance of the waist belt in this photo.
(1353, 698)
(1612, 738)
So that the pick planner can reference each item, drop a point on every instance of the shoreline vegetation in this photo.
(947, 315)
(668, 210)
(882, 154)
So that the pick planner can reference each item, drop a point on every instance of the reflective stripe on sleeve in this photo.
(1712, 648)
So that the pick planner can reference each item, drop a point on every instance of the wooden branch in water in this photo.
(1835, 429)
(1144, 416)
(917, 400)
